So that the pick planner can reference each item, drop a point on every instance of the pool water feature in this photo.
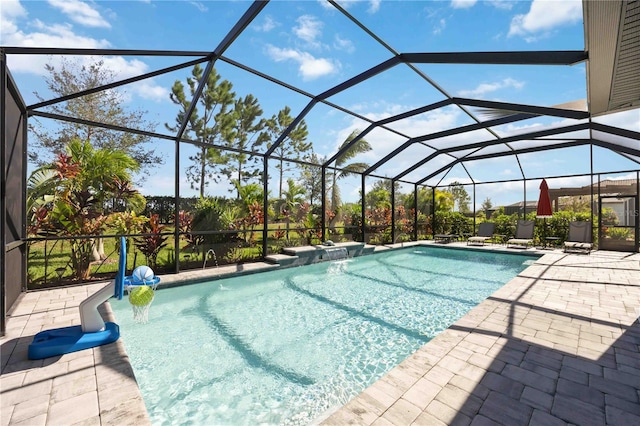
(288, 346)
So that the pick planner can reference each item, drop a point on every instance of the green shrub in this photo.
(618, 233)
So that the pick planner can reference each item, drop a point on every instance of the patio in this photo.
(557, 344)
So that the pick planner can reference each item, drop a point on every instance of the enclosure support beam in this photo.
(415, 212)
(393, 212)
(591, 172)
(599, 214)
(3, 189)
(474, 209)
(433, 212)
(637, 212)
(362, 206)
(323, 202)
(265, 205)
(549, 57)
(523, 108)
(524, 203)
(176, 203)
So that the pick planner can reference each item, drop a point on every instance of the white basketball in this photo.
(142, 274)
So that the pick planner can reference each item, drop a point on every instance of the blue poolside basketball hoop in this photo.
(93, 331)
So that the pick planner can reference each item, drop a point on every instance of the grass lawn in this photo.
(54, 268)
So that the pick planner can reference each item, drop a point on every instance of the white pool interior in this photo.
(288, 346)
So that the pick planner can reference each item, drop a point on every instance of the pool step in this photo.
(282, 259)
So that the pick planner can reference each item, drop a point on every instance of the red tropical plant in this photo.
(153, 241)
(279, 233)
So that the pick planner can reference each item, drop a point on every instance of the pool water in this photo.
(287, 346)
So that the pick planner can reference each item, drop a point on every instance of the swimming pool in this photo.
(286, 346)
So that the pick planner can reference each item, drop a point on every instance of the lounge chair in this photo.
(445, 238)
(524, 234)
(485, 232)
(580, 236)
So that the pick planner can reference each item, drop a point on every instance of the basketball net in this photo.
(141, 310)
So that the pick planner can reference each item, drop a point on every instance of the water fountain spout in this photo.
(210, 253)
(402, 234)
(335, 253)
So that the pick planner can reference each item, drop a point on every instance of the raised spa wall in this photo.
(306, 255)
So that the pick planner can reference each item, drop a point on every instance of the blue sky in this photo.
(313, 47)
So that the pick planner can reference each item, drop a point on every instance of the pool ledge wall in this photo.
(307, 255)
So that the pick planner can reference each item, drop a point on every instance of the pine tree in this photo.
(294, 146)
(210, 123)
(246, 135)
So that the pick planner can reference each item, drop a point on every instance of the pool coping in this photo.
(80, 387)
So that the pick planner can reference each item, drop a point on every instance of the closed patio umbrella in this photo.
(544, 208)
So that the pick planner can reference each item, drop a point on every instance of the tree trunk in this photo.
(81, 259)
(288, 221)
(334, 203)
(281, 176)
(203, 166)
(97, 250)
(239, 180)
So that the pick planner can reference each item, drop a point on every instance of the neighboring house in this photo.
(515, 208)
(623, 207)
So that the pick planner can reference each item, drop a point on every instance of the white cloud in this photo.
(81, 13)
(200, 6)
(374, 6)
(56, 35)
(440, 26)
(343, 44)
(484, 88)
(123, 68)
(310, 67)
(148, 90)
(10, 11)
(309, 29)
(501, 4)
(267, 25)
(462, 4)
(544, 16)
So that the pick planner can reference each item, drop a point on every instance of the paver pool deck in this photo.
(558, 344)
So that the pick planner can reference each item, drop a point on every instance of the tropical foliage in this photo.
(353, 146)
(68, 197)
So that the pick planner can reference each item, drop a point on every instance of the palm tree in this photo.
(344, 169)
(293, 197)
(74, 190)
